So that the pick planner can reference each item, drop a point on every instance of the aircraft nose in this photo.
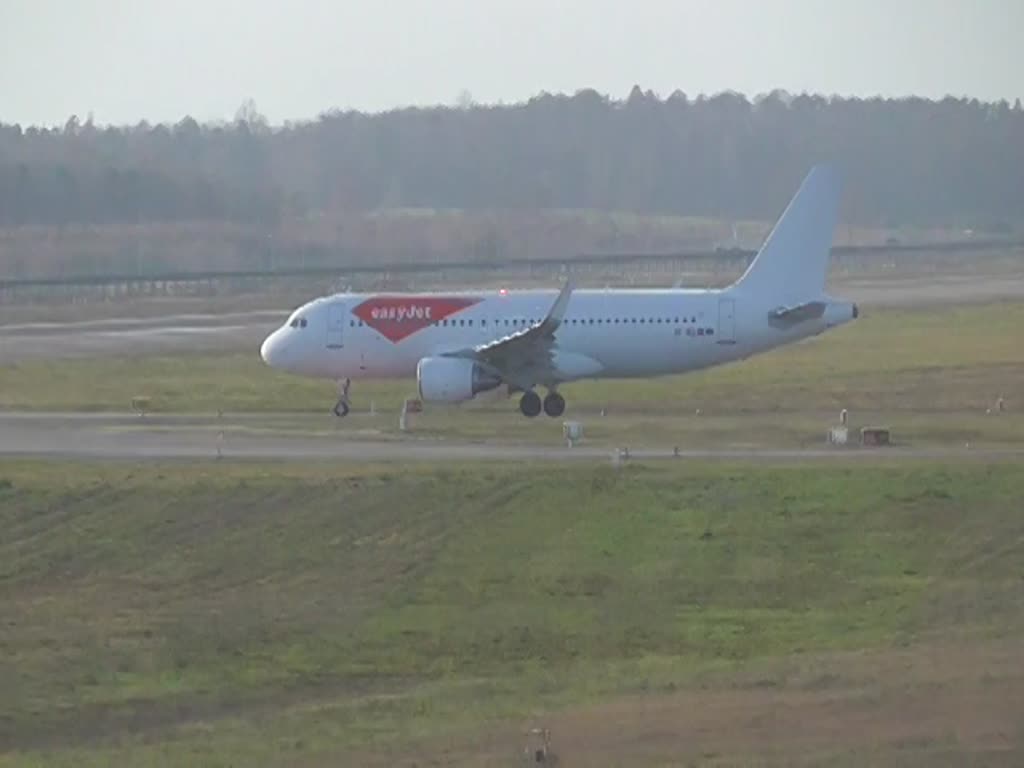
(269, 350)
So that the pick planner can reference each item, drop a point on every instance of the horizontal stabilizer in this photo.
(810, 310)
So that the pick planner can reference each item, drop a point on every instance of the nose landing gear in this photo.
(342, 407)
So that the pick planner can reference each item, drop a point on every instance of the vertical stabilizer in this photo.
(793, 262)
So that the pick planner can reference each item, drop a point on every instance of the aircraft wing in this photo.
(524, 358)
(787, 316)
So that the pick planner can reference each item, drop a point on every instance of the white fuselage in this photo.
(604, 334)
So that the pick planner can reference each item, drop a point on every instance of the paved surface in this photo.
(237, 331)
(931, 290)
(128, 436)
(149, 335)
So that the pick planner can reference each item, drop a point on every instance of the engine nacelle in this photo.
(452, 379)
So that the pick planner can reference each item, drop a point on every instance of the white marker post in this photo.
(409, 406)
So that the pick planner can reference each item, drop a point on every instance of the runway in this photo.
(131, 437)
(164, 334)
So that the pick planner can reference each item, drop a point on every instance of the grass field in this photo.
(198, 615)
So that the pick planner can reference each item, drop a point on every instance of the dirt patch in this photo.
(917, 705)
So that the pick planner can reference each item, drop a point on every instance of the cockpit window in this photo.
(297, 322)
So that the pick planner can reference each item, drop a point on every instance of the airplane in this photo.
(460, 344)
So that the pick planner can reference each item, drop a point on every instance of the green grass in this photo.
(225, 615)
(936, 360)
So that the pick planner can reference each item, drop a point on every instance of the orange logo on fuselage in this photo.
(398, 317)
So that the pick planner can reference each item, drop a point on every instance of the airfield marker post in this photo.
(409, 406)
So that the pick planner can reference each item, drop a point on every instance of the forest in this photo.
(954, 163)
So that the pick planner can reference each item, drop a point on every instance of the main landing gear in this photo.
(342, 407)
(530, 404)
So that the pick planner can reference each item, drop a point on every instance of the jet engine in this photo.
(452, 379)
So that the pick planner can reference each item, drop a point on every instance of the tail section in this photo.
(793, 262)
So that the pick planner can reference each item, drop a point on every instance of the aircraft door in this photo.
(336, 318)
(726, 321)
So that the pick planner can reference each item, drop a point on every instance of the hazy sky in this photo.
(125, 60)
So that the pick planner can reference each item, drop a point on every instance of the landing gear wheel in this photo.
(530, 404)
(554, 405)
(342, 407)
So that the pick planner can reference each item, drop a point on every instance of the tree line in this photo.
(954, 162)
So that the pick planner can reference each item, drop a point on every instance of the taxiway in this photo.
(108, 436)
